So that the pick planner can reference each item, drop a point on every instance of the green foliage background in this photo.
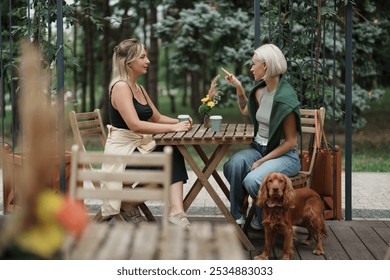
(195, 38)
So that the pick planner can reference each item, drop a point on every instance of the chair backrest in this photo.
(307, 143)
(161, 162)
(87, 125)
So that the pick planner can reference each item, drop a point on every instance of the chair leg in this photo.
(148, 214)
(245, 205)
(249, 218)
(145, 209)
(97, 216)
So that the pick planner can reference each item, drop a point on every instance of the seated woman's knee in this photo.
(252, 185)
(234, 165)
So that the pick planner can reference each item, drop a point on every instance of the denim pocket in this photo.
(260, 148)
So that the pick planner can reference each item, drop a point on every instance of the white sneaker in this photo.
(255, 224)
(241, 220)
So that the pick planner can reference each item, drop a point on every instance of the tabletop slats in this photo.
(249, 131)
(200, 242)
(229, 237)
(179, 135)
(90, 241)
(191, 133)
(240, 130)
(173, 246)
(201, 131)
(169, 135)
(209, 134)
(147, 241)
(117, 243)
(158, 136)
(234, 133)
(230, 131)
(221, 133)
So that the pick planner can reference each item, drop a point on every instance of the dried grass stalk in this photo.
(213, 87)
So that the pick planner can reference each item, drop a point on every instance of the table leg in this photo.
(215, 174)
(203, 180)
(212, 163)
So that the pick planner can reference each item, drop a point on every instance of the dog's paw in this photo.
(318, 252)
(306, 242)
(261, 257)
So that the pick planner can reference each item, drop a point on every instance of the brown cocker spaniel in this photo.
(284, 207)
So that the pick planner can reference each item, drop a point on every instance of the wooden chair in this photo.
(307, 149)
(88, 126)
(307, 144)
(81, 171)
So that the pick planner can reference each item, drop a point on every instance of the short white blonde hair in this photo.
(274, 60)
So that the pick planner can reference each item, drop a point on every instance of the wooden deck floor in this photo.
(346, 240)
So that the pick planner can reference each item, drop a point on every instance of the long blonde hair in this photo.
(124, 53)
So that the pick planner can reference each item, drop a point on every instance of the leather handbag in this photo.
(324, 165)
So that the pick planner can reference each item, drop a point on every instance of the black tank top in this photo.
(144, 112)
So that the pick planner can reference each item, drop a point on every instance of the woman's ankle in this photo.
(175, 210)
(128, 206)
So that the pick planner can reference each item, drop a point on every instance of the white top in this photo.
(263, 115)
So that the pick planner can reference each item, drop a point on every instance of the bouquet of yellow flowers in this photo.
(211, 99)
(39, 233)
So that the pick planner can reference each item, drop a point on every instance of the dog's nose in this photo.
(274, 188)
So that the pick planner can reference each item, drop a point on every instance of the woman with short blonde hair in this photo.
(274, 58)
(273, 107)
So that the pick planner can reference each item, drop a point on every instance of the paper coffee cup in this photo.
(183, 118)
(216, 122)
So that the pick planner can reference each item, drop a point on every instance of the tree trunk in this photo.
(185, 94)
(167, 83)
(91, 63)
(153, 57)
(84, 70)
(92, 102)
(75, 74)
(195, 98)
(106, 63)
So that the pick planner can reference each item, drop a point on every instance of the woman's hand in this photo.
(241, 98)
(257, 163)
(182, 126)
(230, 78)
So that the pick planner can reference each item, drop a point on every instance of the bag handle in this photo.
(318, 122)
(317, 135)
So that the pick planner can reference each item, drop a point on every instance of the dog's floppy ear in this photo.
(289, 193)
(262, 196)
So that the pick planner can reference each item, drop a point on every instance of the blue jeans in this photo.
(243, 181)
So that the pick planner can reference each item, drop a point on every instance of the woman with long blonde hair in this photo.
(134, 119)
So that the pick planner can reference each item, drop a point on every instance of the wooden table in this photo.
(197, 137)
(204, 241)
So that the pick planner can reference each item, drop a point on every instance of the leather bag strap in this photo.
(320, 128)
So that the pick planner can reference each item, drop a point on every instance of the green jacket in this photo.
(285, 102)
